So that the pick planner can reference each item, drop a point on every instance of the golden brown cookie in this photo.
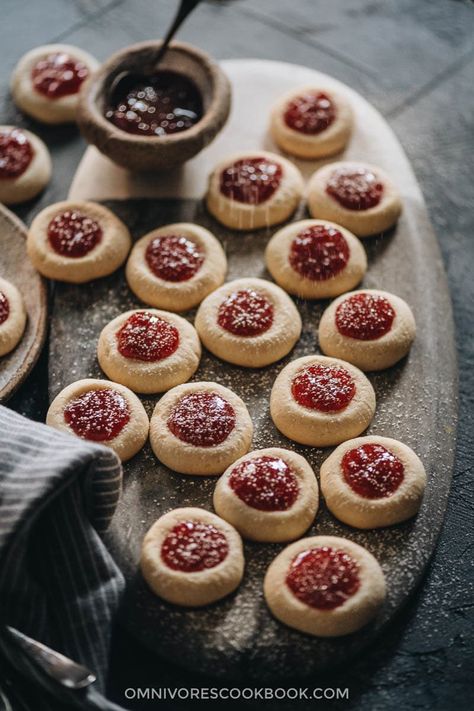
(249, 322)
(192, 557)
(253, 189)
(268, 495)
(325, 586)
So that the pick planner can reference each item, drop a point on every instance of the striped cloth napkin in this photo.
(58, 583)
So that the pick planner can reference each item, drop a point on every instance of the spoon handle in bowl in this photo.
(185, 9)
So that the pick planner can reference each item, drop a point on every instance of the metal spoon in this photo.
(122, 80)
(55, 665)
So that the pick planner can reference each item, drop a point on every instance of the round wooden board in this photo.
(17, 268)
(416, 403)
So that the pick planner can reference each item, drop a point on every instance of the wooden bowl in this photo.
(146, 153)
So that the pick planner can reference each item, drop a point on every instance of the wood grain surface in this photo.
(238, 637)
(16, 268)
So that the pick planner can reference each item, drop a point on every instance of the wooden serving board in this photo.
(416, 400)
(16, 268)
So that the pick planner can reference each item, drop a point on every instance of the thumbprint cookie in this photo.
(370, 482)
(371, 329)
(311, 122)
(46, 81)
(77, 242)
(200, 428)
(268, 495)
(176, 266)
(12, 317)
(325, 586)
(25, 165)
(191, 557)
(321, 401)
(315, 259)
(149, 351)
(248, 322)
(102, 412)
(357, 196)
(250, 190)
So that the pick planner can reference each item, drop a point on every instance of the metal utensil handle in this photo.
(185, 8)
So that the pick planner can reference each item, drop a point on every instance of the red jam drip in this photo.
(147, 337)
(323, 578)
(99, 415)
(4, 308)
(192, 546)
(319, 252)
(174, 258)
(16, 153)
(372, 471)
(265, 483)
(355, 189)
(364, 316)
(58, 75)
(245, 313)
(72, 234)
(311, 113)
(156, 105)
(202, 419)
(251, 180)
(324, 388)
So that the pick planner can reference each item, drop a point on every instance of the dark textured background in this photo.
(414, 60)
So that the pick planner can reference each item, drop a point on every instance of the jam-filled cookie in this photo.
(370, 482)
(12, 317)
(77, 241)
(25, 165)
(325, 586)
(321, 401)
(192, 557)
(371, 329)
(176, 266)
(149, 351)
(311, 122)
(254, 189)
(102, 412)
(46, 81)
(357, 196)
(249, 322)
(200, 428)
(315, 259)
(268, 495)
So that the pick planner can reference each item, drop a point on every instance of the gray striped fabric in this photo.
(58, 583)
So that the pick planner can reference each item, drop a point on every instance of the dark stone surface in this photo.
(424, 659)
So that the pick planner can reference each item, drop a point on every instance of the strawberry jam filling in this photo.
(355, 188)
(365, 317)
(319, 252)
(251, 180)
(323, 577)
(174, 258)
(4, 307)
(58, 75)
(203, 419)
(72, 234)
(156, 105)
(192, 546)
(147, 337)
(311, 113)
(245, 313)
(324, 388)
(265, 483)
(372, 471)
(99, 415)
(16, 153)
